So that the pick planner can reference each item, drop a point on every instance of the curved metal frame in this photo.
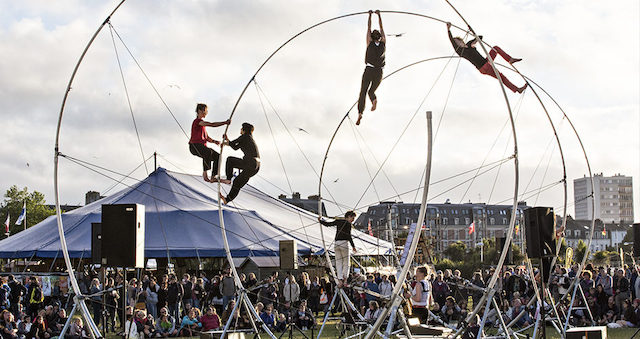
(79, 298)
(493, 280)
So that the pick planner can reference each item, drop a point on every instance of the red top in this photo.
(198, 133)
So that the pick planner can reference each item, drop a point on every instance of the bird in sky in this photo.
(397, 35)
(302, 130)
(176, 86)
(336, 180)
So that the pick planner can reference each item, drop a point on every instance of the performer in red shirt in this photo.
(199, 139)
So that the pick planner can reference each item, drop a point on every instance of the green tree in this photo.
(15, 198)
(456, 251)
(601, 257)
(580, 251)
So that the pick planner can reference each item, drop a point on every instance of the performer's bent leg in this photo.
(497, 50)
(488, 70)
(248, 169)
(232, 162)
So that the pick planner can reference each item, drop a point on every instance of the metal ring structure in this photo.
(64, 249)
(63, 243)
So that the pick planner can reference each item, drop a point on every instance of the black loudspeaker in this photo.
(636, 240)
(96, 243)
(595, 332)
(500, 245)
(288, 255)
(123, 235)
(540, 231)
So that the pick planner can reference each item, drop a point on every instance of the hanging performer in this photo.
(374, 59)
(469, 52)
(249, 165)
(421, 295)
(199, 139)
(341, 247)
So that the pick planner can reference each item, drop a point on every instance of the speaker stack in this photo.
(122, 236)
(540, 232)
(636, 240)
(288, 255)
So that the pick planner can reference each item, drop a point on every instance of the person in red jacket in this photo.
(199, 139)
(211, 320)
(469, 52)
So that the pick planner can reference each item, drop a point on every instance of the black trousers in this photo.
(248, 167)
(370, 81)
(208, 156)
(421, 313)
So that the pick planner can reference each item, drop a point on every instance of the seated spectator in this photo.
(281, 323)
(385, 286)
(24, 326)
(211, 320)
(166, 325)
(303, 318)
(190, 324)
(8, 326)
(268, 318)
(514, 311)
(287, 311)
(628, 315)
(450, 311)
(38, 329)
(150, 326)
(76, 330)
(373, 312)
(259, 308)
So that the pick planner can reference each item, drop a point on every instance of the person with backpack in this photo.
(5, 292)
(421, 295)
(36, 297)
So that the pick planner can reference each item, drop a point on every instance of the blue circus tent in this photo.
(182, 221)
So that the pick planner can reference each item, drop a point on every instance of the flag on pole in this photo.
(369, 228)
(604, 231)
(517, 228)
(472, 227)
(6, 224)
(23, 215)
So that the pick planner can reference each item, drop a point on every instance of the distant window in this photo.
(504, 221)
(456, 221)
(467, 221)
(492, 221)
(445, 221)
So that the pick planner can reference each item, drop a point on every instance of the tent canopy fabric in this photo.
(181, 220)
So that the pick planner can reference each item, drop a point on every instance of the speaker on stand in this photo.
(540, 233)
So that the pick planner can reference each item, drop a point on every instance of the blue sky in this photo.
(585, 53)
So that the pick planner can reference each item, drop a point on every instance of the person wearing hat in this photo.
(469, 52)
(374, 59)
(199, 139)
(249, 165)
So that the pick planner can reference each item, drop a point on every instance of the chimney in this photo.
(296, 196)
(314, 197)
(282, 196)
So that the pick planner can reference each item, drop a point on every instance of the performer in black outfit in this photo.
(341, 247)
(469, 52)
(249, 165)
(374, 58)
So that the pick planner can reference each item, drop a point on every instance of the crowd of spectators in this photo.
(169, 306)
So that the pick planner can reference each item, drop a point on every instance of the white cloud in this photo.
(584, 53)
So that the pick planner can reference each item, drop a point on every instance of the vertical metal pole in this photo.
(326, 313)
(233, 312)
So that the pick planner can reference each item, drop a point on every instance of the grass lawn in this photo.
(331, 331)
